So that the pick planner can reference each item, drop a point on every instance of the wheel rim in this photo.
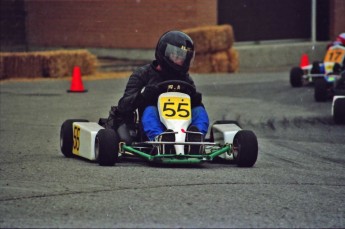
(97, 148)
(235, 148)
(61, 139)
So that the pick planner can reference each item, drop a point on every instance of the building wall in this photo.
(12, 23)
(337, 18)
(120, 24)
(274, 20)
(112, 23)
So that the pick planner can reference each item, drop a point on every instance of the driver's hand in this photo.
(150, 94)
(196, 99)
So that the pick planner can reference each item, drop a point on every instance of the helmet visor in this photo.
(179, 55)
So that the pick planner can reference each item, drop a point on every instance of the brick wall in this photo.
(112, 23)
(337, 19)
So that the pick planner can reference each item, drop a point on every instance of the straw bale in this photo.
(234, 60)
(211, 38)
(223, 38)
(57, 63)
(17, 65)
(202, 64)
(200, 39)
(61, 63)
(222, 61)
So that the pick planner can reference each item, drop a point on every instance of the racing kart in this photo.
(324, 75)
(227, 141)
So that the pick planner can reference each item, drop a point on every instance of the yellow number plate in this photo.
(335, 55)
(76, 140)
(175, 108)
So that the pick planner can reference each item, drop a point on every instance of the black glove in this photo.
(150, 94)
(196, 99)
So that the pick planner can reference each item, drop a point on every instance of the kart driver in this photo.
(174, 55)
(340, 40)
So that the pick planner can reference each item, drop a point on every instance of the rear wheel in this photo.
(296, 75)
(66, 136)
(107, 147)
(321, 90)
(245, 148)
(339, 111)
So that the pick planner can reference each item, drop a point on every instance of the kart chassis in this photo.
(227, 140)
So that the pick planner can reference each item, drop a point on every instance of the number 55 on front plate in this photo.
(175, 107)
(176, 114)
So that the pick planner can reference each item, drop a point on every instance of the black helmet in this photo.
(175, 52)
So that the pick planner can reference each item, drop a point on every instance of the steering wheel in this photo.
(176, 86)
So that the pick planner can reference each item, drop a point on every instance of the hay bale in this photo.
(17, 65)
(202, 64)
(223, 38)
(211, 38)
(54, 64)
(200, 39)
(222, 61)
(61, 63)
(213, 46)
(233, 60)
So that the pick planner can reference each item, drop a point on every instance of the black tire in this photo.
(296, 79)
(245, 146)
(321, 90)
(339, 111)
(66, 136)
(107, 147)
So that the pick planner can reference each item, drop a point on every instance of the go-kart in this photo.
(227, 141)
(324, 75)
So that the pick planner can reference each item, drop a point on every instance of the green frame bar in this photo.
(137, 152)
(224, 149)
(177, 159)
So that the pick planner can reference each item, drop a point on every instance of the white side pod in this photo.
(225, 133)
(84, 134)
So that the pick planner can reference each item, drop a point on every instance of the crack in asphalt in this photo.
(158, 186)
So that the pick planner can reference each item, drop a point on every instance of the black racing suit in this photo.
(121, 117)
(141, 77)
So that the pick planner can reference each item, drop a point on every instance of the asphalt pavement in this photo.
(298, 180)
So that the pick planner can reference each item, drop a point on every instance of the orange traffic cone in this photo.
(76, 84)
(304, 60)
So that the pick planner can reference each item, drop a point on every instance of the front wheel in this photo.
(245, 148)
(296, 77)
(107, 147)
